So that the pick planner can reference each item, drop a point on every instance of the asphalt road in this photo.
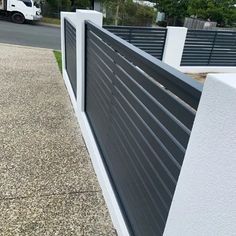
(33, 35)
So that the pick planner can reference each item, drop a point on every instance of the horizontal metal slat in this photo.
(104, 84)
(129, 203)
(155, 125)
(148, 187)
(137, 36)
(171, 102)
(122, 75)
(103, 102)
(131, 132)
(137, 128)
(184, 87)
(70, 54)
(177, 152)
(142, 156)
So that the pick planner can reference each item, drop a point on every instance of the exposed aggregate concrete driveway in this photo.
(47, 183)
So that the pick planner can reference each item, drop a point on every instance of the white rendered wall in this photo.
(204, 202)
(207, 69)
(174, 45)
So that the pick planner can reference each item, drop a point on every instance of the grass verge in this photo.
(52, 21)
(57, 55)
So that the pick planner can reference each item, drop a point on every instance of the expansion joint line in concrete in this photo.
(47, 195)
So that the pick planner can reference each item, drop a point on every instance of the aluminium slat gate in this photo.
(141, 112)
(70, 54)
(209, 48)
(149, 39)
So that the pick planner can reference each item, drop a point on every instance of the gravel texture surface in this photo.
(47, 182)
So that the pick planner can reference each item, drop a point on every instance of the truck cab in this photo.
(21, 10)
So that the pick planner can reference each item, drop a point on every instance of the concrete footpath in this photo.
(47, 182)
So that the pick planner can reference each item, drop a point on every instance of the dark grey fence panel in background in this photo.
(141, 112)
(70, 54)
(209, 48)
(224, 50)
(150, 40)
(198, 47)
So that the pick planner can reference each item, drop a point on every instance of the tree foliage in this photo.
(173, 8)
(221, 11)
(53, 7)
(127, 12)
(81, 4)
(61, 4)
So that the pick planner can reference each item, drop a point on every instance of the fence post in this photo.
(174, 45)
(204, 202)
(82, 16)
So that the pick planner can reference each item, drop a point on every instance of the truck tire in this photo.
(18, 18)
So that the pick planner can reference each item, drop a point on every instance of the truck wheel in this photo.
(18, 18)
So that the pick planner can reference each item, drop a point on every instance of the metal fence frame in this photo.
(148, 39)
(164, 93)
(70, 54)
(209, 48)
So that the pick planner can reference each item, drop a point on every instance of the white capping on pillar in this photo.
(82, 16)
(204, 202)
(174, 46)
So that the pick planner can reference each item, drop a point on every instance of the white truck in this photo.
(21, 10)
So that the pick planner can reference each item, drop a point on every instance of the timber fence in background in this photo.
(144, 129)
(150, 40)
(197, 24)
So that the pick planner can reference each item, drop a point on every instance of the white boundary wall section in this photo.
(173, 52)
(207, 69)
(77, 19)
(174, 45)
(204, 202)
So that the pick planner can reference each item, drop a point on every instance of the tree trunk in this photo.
(117, 13)
(175, 20)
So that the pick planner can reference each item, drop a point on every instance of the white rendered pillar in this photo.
(82, 16)
(204, 202)
(174, 46)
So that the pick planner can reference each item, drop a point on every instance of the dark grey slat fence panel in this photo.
(209, 48)
(70, 54)
(224, 50)
(150, 40)
(142, 124)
